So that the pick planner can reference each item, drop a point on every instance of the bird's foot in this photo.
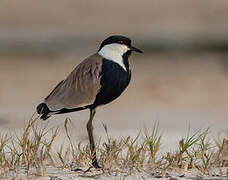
(96, 165)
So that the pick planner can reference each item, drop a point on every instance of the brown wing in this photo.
(79, 88)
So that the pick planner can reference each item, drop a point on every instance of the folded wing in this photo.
(80, 88)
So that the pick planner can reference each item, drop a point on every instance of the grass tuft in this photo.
(31, 152)
(26, 151)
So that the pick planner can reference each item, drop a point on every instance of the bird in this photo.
(96, 81)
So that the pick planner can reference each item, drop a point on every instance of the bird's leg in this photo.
(91, 140)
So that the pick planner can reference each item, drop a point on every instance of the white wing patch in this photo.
(114, 52)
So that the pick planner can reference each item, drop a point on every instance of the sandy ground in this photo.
(66, 174)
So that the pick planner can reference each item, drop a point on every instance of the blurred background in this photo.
(181, 80)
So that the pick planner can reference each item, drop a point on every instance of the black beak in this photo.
(136, 49)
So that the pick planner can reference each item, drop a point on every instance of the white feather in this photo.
(114, 52)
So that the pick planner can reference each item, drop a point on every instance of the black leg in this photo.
(91, 140)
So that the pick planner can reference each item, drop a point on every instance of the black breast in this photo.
(114, 80)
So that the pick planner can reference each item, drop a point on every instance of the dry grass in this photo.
(29, 150)
(33, 151)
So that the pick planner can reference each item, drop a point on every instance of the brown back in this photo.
(79, 88)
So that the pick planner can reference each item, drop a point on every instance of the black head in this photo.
(118, 39)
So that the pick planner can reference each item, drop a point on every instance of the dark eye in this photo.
(120, 42)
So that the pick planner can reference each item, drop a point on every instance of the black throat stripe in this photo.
(114, 80)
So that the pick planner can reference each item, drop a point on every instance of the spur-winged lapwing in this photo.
(97, 80)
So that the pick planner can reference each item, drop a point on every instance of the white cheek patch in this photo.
(114, 52)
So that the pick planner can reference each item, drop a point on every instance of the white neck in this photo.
(114, 52)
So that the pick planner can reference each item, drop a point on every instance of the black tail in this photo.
(43, 110)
